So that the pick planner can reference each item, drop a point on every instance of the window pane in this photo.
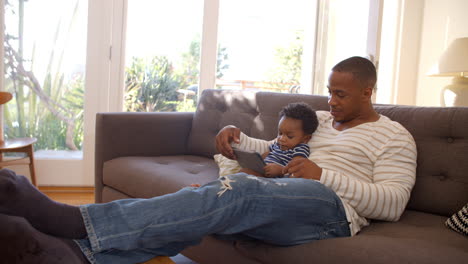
(260, 44)
(162, 55)
(45, 55)
(344, 36)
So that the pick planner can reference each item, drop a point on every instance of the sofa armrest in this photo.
(138, 134)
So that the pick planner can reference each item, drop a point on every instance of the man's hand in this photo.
(224, 138)
(303, 168)
(273, 170)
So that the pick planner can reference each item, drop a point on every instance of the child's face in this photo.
(290, 133)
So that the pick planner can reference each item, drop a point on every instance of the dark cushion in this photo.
(416, 238)
(217, 109)
(146, 177)
(441, 136)
(110, 194)
(256, 114)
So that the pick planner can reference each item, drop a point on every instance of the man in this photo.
(362, 165)
(366, 159)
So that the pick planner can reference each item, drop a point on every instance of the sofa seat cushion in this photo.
(146, 177)
(110, 194)
(416, 238)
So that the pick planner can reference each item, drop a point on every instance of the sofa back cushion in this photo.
(255, 113)
(441, 136)
(217, 109)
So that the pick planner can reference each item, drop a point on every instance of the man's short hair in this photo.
(361, 68)
(303, 112)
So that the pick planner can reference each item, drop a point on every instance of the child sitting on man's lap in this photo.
(297, 123)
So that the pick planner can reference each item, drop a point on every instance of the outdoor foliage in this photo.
(188, 71)
(50, 110)
(150, 85)
(288, 62)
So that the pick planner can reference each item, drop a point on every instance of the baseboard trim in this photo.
(66, 189)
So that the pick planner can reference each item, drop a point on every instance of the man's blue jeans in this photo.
(280, 211)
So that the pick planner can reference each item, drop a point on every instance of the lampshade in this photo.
(454, 60)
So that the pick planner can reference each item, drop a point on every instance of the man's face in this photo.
(346, 96)
(290, 133)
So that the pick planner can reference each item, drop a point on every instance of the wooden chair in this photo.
(16, 145)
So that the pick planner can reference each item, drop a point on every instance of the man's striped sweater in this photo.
(371, 167)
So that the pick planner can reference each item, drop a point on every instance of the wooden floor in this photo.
(70, 195)
(85, 195)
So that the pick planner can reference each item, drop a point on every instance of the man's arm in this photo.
(386, 197)
(394, 176)
(232, 136)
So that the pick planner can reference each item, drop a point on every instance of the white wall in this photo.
(67, 174)
(443, 21)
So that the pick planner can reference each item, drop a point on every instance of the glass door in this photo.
(345, 29)
(162, 55)
(44, 64)
(261, 44)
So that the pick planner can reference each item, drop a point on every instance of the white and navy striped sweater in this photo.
(283, 157)
(371, 167)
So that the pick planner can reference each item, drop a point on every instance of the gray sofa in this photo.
(151, 154)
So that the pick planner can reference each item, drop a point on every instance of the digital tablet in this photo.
(250, 160)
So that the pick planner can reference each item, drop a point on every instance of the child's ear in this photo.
(307, 138)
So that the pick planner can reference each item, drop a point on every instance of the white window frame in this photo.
(375, 14)
(209, 45)
(104, 70)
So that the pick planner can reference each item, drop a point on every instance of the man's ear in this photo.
(367, 93)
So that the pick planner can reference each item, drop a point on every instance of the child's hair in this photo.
(303, 112)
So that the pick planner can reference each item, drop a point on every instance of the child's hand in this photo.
(273, 170)
(195, 185)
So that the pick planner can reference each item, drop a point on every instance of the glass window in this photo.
(345, 34)
(162, 55)
(45, 55)
(260, 44)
